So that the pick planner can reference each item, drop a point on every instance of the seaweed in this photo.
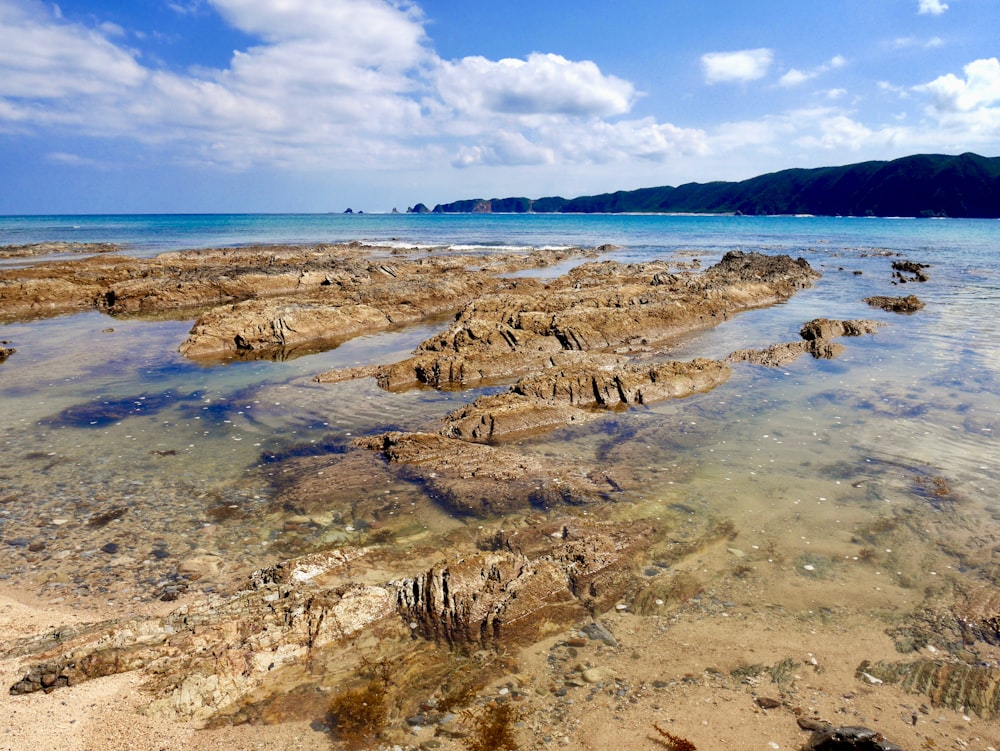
(493, 727)
(673, 742)
(357, 715)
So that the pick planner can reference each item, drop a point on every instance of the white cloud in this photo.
(507, 149)
(741, 65)
(795, 77)
(966, 111)
(833, 130)
(586, 142)
(43, 58)
(932, 7)
(902, 43)
(71, 160)
(979, 88)
(540, 85)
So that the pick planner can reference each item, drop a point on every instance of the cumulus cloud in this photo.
(739, 66)
(331, 82)
(979, 88)
(932, 7)
(542, 84)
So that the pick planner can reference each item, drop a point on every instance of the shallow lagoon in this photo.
(122, 460)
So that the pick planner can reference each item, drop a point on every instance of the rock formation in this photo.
(596, 308)
(290, 628)
(908, 304)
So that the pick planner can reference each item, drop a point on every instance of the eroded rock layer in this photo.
(597, 307)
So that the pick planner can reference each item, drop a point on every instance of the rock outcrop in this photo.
(576, 391)
(821, 329)
(309, 622)
(265, 300)
(908, 304)
(599, 308)
(816, 336)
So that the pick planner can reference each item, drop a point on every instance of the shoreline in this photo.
(694, 569)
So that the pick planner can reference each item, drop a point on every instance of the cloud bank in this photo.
(357, 84)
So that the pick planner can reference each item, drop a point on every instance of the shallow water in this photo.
(122, 459)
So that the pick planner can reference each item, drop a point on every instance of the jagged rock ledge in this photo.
(291, 627)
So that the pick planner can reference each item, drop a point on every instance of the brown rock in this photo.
(474, 479)
(825, 328)
(256, 326)
(778, 355)
(597, 307)
(908, 304)
(570, 394)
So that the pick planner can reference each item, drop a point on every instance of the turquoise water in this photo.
(101, 414)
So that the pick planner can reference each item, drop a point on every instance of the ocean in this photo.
(121, 458)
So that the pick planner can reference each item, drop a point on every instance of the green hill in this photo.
(924, 185)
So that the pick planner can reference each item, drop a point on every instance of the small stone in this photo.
(766, 702)
(598, 675)
(597, 632)
(111, 548)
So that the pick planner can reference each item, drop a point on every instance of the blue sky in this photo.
(317, 105)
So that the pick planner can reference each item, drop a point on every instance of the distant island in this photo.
(924, 185)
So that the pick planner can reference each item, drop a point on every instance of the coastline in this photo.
(737, 578)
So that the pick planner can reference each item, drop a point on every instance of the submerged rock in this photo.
(479, 480)
(952, 684)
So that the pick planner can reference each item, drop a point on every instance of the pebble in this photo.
(111, 548)
(597, 632)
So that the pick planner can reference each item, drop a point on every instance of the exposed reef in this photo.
(263, 301)
(293, 623)
(54, 248)
(600, 308)
(908, 304)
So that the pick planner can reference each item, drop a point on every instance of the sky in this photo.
(128, 106)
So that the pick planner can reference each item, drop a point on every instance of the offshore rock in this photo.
(479, 480)
(6, 352)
